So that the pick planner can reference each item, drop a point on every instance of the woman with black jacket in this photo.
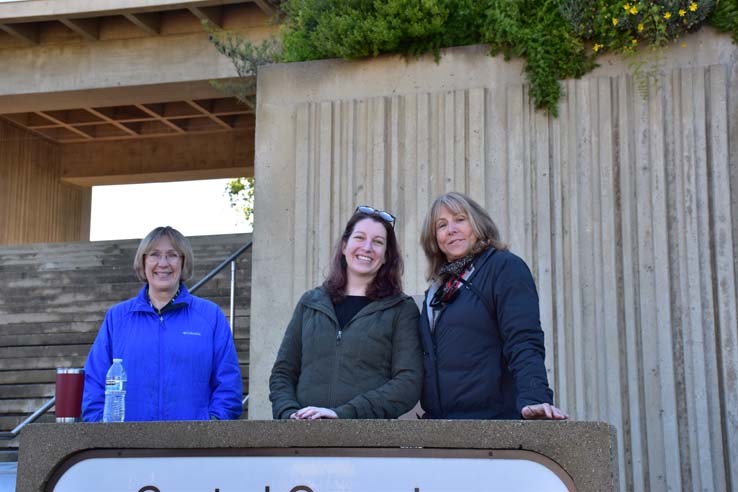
(480, 327)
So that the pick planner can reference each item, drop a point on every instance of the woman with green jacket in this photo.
(351, 349)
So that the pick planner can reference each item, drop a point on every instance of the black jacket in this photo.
(482, 365)
(370, 369)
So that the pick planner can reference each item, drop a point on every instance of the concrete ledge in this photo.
(586, 450)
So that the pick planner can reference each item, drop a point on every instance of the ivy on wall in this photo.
(558, 39)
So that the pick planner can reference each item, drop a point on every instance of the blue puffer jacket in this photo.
(180, 366)
(479, 366)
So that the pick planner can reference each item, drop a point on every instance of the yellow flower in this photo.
(667, 15)
(633, 41)
(597, 47)
(682, 12)
(633, 10)
(626, 6)
(614, 21)
(640, 27)
(693, 6)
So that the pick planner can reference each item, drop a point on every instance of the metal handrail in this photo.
(8, 435)
(220, 267)
(29, 420)
(232, 260)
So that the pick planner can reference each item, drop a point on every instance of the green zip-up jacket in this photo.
(372, 369)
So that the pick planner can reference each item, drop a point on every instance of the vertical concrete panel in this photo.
(524, 217)
(542, 234)
(496, 173)
(446, 142)
(696, 296)
(300, 280)
(588, 244)
(476, 124)
(607, 264)
(461, 140)
(423, 168)
(664, 355)
(559, 355)
(341, 206)
(361, 156)
(516, 192)
(728, 351)
(684, 241)
(439, 179)
(634, 435)
(377, 166)
(412, 217)
(725, 271)
(394, 171)
(325, 206)
(583, 341)
(349, 185)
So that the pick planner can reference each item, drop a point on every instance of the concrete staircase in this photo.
(53, 298)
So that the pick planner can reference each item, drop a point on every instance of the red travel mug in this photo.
(69, 386)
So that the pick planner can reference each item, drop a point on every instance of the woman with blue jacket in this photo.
(177, 349)
(480, 328)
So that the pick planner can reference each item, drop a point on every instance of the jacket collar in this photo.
(319, 300)
(141, 302)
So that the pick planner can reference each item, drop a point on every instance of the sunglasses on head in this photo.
(385, 216)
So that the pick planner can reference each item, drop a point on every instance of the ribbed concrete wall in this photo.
(35, 206)
(625, 207)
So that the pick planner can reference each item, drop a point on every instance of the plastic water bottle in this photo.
(115, 393)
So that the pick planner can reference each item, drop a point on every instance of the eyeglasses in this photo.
(385, 216)
(170, 257)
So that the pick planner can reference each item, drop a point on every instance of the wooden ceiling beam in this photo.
(27, 32)
(87, 28)
(149, 23)
(106, 119)
(210, 115)
(211, 15)
(266, 7)
(160, 118)
(64, 125)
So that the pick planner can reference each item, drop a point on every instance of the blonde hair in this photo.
(180, 243)
(482, 224)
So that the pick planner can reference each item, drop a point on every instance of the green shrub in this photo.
(317, 29)
(725, 17)
(621, 25)
(536, 31)
(558, 39)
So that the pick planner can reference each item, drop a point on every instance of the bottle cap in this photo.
(117, 360)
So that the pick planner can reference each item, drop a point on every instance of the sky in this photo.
(195, 208)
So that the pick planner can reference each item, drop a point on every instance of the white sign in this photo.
(308, 474)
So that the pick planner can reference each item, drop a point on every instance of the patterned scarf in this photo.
(450, 283)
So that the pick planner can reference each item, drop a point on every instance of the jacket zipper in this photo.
(435, 360)
(161, 368)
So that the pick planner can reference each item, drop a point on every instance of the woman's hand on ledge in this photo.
(314, 413)
(543, 411)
